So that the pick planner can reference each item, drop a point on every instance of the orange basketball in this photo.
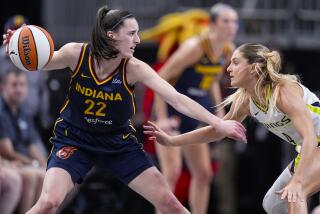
(31, 48)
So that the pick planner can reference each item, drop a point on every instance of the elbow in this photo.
(176, 101)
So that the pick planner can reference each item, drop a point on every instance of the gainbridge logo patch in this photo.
(66, 152)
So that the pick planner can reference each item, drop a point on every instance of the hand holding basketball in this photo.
(6, 37)
(30, 47)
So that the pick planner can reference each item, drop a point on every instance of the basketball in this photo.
(30, 48)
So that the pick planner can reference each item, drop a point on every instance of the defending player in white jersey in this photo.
(282, 105)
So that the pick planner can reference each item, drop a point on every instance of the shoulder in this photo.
(72, 48)
(136, 70)
(135, 64)
(290, 96)
(289, 89)
(192, 44)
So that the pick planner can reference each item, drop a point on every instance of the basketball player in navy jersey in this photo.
(94, 124)
(281, 104)
(196, 68)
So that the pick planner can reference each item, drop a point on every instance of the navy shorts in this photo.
(77, 151)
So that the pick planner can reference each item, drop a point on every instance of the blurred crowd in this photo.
(22, 152)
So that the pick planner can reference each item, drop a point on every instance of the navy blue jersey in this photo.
(98, 106)
(196, 80)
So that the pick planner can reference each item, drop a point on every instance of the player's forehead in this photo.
(236, 55)
(228, 14)
(130, 24)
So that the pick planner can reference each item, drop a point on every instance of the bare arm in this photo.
(66, 56)
(291, 103)
(202, 135)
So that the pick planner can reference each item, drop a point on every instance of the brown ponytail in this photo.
(103, 47)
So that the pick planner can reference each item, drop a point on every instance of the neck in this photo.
(215, 43)
(105, 65)
(250, 88)
(265, 94)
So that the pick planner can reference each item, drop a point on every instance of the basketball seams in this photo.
(50, 40)
(36, 49)
(19, 51)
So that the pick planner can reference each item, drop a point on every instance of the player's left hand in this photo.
(292, 192)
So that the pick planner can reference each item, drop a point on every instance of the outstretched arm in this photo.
(66, 57)
(202, 135)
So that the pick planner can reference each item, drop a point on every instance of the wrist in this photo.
(216, 122)
(174, 140)
(297, 179)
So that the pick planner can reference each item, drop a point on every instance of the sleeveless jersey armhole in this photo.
(81, 56)
(129, 87)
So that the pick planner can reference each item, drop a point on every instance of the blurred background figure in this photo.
(19, 141)
(195, 69)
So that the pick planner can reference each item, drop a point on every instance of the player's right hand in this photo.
(7, 36)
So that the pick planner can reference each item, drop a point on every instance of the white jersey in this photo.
(281, 125)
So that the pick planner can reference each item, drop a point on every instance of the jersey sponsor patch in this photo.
(66, 152)
(116, 81)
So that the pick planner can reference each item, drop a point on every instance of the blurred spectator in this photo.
(19, 141)
(195, 70)
(37, 103)
(10, 188)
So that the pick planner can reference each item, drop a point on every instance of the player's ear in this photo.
(110, 34)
